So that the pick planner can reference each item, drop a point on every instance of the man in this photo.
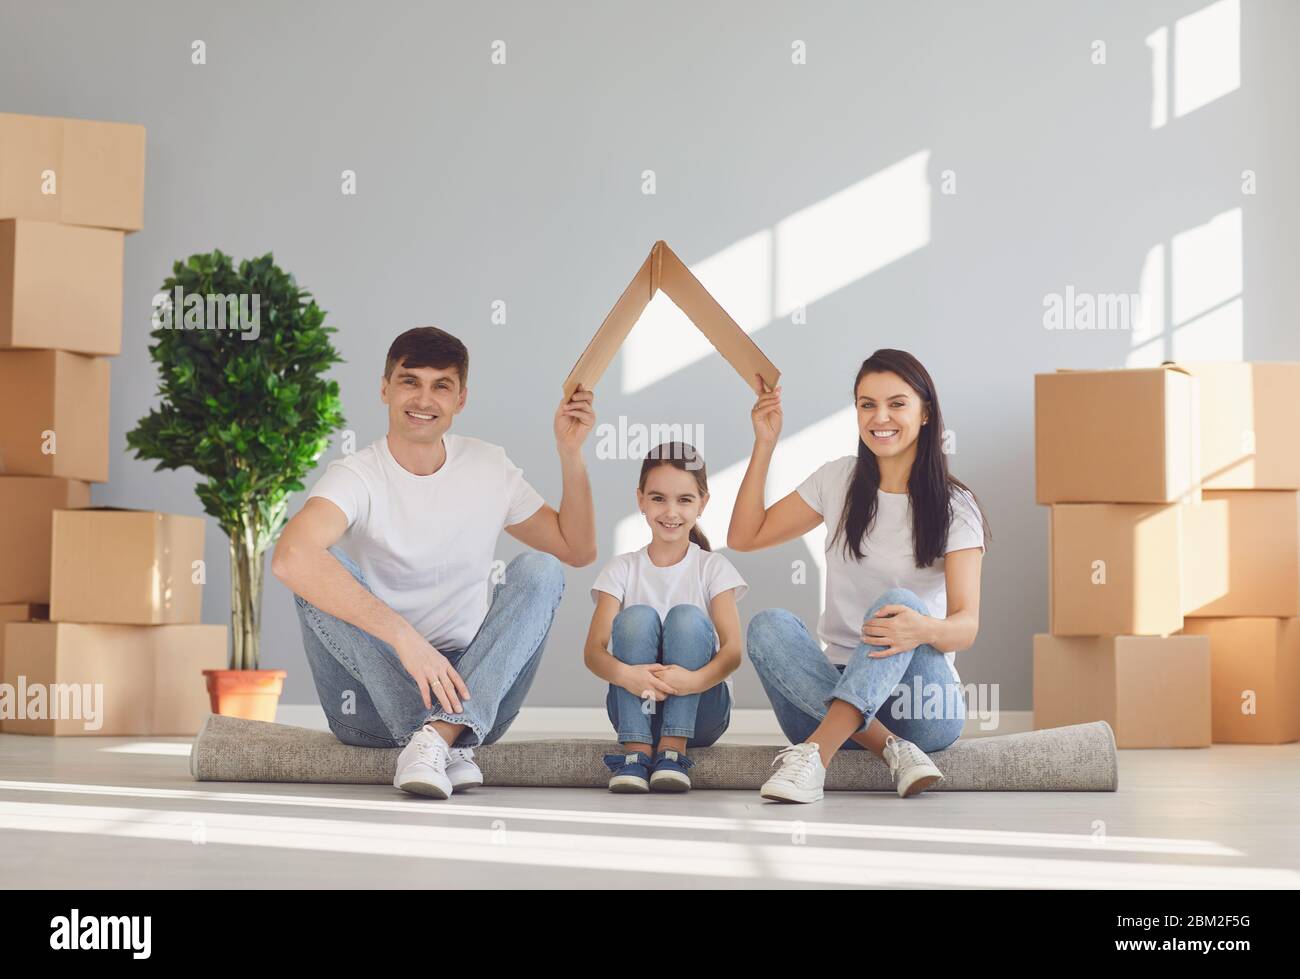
(404, 647)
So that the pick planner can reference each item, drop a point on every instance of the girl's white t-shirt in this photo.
(697, 579)
(426, 543)
(888, 559)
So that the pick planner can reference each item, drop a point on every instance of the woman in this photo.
(904, 546)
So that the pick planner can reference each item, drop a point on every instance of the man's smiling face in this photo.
(422, 401)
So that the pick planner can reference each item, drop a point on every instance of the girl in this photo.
(903, 556)
(670, 611)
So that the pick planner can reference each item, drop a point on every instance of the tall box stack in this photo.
(123, 651)
(1250, 469)
(70, 190)
(1117, 459)
(1175, 518)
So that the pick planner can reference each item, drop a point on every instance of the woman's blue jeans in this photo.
(913, 694)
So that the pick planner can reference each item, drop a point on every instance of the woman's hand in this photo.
(682, 680)
(897, 628)
(643, 681)
(766, 414)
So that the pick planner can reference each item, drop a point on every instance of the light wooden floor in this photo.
(112, 812)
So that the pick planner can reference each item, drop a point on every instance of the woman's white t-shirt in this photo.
(888, 559)
(425, 543)
(697, 579)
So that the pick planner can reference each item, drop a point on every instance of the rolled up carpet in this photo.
(1077, 758)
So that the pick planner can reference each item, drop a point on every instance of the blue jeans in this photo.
(685, 638)
(369, 698)
(913, 694)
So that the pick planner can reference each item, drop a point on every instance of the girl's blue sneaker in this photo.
(670, 772)
(631, 772)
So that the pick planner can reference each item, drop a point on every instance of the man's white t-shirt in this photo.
(697, 579)
(888, 559)
(425, 543)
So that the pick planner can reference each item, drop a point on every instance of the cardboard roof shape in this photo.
(662, 269)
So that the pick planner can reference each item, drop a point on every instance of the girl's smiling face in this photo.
(672, 503)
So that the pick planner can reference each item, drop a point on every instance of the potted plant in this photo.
(241, 353)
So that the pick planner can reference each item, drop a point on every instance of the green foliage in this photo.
(250, 416)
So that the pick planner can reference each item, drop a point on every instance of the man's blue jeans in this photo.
(685, 638)
(370, 699)
(913, 694)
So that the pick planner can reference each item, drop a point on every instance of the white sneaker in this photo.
(462, 770)
(912, 769)
(422, 765)
(800, 777)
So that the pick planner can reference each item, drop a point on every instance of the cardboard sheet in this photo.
(663, 270)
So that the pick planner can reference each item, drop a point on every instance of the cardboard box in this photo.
(1154, 692)
(1254, 678)
(74, 171)
(60, 288)
(54, 409)
(662, 269)
(1263, 554)
(27, 504)
(1114, 569)
(18, 613)
(132, 567)
(1116, 436)
(109, 679)
(1250, 414)
(1204, 560)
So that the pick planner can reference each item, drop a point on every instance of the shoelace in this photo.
(901, 754)
(463, 754)
(430, 751)
(796, 761)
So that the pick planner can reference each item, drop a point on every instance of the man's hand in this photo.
(432, 672)
(643, 681)
(897, 628)
(682, 680)
(574, 419)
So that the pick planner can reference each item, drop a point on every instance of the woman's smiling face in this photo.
(890, 413)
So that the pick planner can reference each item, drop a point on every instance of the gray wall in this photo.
(523, 182)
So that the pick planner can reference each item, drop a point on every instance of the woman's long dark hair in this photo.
(929, 485)
(679, 455)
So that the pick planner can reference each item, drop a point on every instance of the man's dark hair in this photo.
(428, 346)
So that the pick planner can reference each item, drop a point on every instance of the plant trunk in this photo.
(247, 556)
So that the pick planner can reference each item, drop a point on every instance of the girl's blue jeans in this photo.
(684, 637)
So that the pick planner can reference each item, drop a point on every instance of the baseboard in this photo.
(593, 722)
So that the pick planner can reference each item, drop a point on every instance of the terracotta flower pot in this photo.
(250, 694)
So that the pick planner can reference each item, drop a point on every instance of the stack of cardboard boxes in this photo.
(70, 190)
(1175, 552)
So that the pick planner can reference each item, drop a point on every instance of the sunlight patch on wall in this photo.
(1204, 278)
(852, 233)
